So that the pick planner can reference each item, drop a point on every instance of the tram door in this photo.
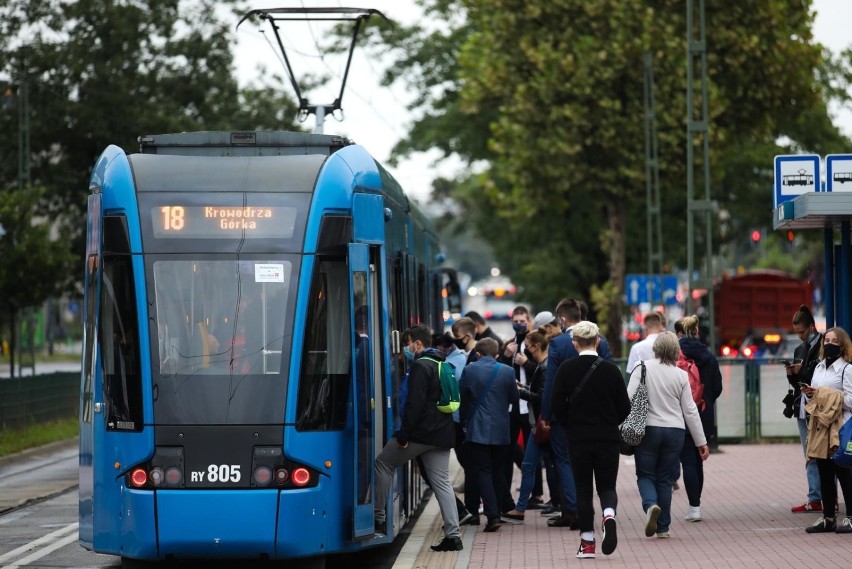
(364, 306)
(90, 402)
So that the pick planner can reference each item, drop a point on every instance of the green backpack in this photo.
(449, 400)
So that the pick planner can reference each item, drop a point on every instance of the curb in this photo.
(35, 451)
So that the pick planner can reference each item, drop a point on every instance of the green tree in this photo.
(101, 73)
(36, 265)
(549, 93)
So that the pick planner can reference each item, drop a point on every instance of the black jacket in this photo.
(810, 358)
(708, 367)
(711, 378)
(599, 408)
(422, 422)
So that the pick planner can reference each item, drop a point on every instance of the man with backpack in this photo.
(425, 432)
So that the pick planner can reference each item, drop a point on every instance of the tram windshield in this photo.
(220, 332)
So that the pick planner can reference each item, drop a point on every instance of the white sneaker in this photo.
(694, 514)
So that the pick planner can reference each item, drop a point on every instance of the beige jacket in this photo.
(826, 410)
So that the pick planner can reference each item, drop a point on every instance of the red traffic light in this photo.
(755, 236)
(790, 236)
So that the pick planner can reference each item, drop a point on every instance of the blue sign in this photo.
(669, 289)
(664, 289)
(838, 173)
(795, 175)
(636, 288)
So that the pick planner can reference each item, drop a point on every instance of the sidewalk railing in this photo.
(38, 399)
(748, 410)
(750, 407)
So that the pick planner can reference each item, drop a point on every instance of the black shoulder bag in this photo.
(585, 379)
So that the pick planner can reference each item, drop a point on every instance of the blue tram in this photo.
(244, 298)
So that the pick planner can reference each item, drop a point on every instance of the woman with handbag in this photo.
(537, 446)
(832, 379)
(670, 409)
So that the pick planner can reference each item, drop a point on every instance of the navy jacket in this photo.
(487, 423)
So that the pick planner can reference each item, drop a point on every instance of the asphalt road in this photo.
(39, 509)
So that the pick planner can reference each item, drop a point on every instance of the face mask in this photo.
(519, 327)
(460, 343)
(831, 351)
(409, 355)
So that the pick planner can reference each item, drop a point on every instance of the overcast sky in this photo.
(376, 117)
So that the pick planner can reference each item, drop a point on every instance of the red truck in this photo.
(753, 312)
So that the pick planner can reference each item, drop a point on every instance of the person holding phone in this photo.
(832, 377)
(800, 371)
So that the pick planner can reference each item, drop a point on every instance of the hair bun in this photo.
(804, 308)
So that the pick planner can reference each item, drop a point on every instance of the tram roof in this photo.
(241, 143)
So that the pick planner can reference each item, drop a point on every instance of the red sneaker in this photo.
(587, 549)
(807, 507)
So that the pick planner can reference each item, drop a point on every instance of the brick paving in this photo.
(748, 492)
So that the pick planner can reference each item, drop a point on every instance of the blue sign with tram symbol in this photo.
(838, 173)
(795, 175)
(636, 289)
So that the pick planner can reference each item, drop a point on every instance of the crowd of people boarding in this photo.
(553, 387)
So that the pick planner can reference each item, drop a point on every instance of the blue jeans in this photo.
(559, 444)
(814, 493)
(657, 464)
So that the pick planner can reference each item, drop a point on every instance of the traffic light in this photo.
(755, 237)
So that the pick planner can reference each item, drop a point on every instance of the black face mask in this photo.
(460, 343)
(831, 352)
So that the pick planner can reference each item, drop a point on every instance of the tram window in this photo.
(220, 332)
(119, 339)
(326, 361)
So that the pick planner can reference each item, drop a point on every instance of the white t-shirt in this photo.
(641, 351)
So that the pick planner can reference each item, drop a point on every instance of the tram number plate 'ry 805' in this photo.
(221, 473)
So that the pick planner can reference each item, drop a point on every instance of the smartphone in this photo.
(787, 363)
(803, 384)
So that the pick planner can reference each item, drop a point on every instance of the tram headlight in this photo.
(156, 476)
(281, 475)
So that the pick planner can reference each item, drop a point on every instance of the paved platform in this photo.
(748, 492)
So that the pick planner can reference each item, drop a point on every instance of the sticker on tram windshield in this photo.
(269, 273)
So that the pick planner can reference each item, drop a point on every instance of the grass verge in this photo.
(16, 440)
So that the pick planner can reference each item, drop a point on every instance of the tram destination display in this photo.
(222, 222)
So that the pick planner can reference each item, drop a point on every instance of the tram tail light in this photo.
(262, 475)
(301, 476)
(138, 477)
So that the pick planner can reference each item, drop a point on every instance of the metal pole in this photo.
(320, 115)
